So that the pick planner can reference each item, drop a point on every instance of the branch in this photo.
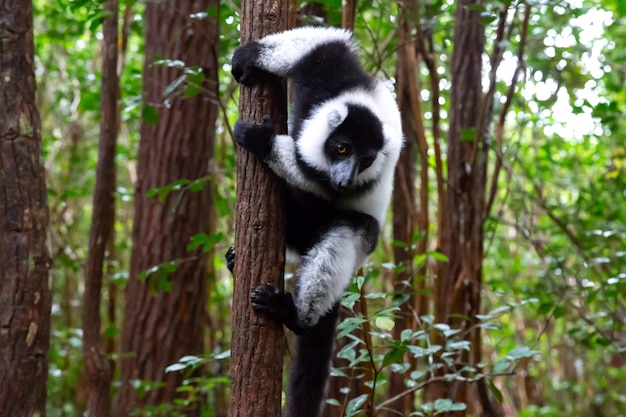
(446, 378)
(505, 109)
(97, 366)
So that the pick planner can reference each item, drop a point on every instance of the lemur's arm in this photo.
(279, 53)
(278, 151)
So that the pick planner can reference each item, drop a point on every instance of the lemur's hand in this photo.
(257, 138)
(244, 63)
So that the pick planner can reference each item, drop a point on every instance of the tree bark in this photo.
(163, 324)
(461, 277)
(348, 13)
(408, 216)
(257, 341)
(97, 366)
(24, 258)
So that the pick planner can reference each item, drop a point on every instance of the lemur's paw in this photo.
(244, 60)
(230, 259)
(257, 138)
(271, 300)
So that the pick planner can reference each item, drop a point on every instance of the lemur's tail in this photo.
(311, 367)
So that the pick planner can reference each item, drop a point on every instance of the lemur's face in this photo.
(352, 147)
(346, 161)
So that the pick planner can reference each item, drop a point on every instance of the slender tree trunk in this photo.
(97, 366)
(461, 277)
(163, 324)
(257, 341)
(348, 13)
(404, 213)
(408, 217)
(24, 258)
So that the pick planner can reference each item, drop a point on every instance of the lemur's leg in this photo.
(323, 276)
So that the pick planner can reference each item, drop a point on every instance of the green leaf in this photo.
(394, 355)
(207, 241)
(417, 375)
(333, 401)
(559, 311)
(348, 351)
(405, 335)
(350, 299)
(475, 7)
(385, 323)
(545, 308)
(173, 63)
(195, 79)
(496, 392)
(173, 86)
(348, 325)
(468, 134)
(359, 282)
(419, 352)
(222, 355)
(502, 365)
(150, 115)
(438, 256)
(175, 367)
(444, 405)
(355, 405)
(460, 345)
(521, 352)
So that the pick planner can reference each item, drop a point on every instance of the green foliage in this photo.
(197, 390)
(372, 353)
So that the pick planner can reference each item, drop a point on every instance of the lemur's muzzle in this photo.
(343, 174)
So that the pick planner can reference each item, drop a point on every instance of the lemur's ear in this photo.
(334, 119)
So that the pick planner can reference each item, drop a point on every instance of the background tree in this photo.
(460, 275)
(410, 220)
(24, 258)
(166, 291)
(97, 366)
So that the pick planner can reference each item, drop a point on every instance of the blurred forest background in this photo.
(498, 287)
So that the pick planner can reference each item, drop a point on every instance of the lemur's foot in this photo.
(230, 259)
(272, 300)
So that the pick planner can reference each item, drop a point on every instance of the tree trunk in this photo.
(164, 310)
(348, 13)
(257, 341)
(408, 217)
(97, 367)
(461, 277)
(24, 259)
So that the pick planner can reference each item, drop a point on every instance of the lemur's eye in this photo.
(341, 149)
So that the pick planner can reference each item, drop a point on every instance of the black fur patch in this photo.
(310, 217)
(362, 131)
(257, 138)
(244, 63)
(322, 74)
